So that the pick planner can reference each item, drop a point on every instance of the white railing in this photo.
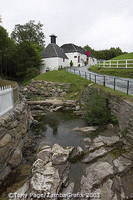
(125, 63)
(6, 99)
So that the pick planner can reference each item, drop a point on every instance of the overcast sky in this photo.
(99, 23)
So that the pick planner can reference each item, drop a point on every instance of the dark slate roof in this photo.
(71, 48)
(53, 50)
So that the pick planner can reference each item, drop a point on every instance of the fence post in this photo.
(79, 73)
(117, 64)
(90, 76)
(104, 81)
(127, 87)
(85, 75)
(95, 78)
(126, 63)
(74, 71)
(110, 63)
(114, 82)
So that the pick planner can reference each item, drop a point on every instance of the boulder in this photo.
(94, 155)
(85, 129)
(95, 174)
(60, 154)
(45, 178)
(16, 158)
(107, 140)
(45, 154)
(5, 140)
(122, 164)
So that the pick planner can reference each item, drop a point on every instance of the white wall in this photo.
(92, 61)
(6, 100)
(53, 64)
(62, 63)
(50, 63)
(71, 56)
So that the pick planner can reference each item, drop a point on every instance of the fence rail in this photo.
(115, 83)
(9, 96)
(125, 63)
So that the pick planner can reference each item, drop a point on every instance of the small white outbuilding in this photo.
(54, 56)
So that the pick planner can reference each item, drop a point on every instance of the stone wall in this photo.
(43, 97)
(13, 129)
(120, 107)
(40, 90)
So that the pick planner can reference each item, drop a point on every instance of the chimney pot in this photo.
(53, 38)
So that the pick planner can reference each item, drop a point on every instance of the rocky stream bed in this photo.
(64, 156)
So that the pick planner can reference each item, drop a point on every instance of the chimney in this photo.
(53, 38)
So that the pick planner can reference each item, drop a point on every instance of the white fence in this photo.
(127, 63)
(6, 99)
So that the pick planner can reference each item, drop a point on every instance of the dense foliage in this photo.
(97, 110)
(104, 54)
(20, 54)
(29, 32)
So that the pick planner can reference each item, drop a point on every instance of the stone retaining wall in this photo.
(13, 129)
(40, 90)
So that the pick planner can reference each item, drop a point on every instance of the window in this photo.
(63, 59)
(75, 56)
(78, 59)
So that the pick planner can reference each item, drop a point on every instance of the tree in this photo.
(104, 54)
(7, 47)
(29, 39)
(27, 60)
(29, 32)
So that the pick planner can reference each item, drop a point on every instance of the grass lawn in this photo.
(125, 73)
(124, 56)
(77, 82)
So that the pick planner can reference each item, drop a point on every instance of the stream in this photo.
(55, 128)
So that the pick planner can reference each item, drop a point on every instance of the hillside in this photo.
(121, 71)
(124, 56)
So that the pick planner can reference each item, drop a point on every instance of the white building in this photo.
(75, 54)
(54, 57)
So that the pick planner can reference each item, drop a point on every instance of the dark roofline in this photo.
(52, 51)
(71, 48)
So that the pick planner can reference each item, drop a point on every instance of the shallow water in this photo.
(58, 128)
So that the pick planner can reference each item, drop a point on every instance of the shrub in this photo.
(97, 110)
(71, 63)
